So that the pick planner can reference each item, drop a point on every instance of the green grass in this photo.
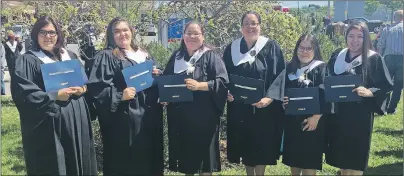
(386, 156)
(373, 36)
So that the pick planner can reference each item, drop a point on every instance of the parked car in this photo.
(373, 25)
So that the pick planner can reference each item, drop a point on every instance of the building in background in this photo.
(344, 9)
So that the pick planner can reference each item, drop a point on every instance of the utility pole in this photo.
(298, 10)
(329, 9)
(346, 10)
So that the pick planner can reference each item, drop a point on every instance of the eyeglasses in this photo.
(250, 24)
(45, 33)
(308, 49)
(193, 35)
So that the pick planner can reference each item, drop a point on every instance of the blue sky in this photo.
(293, 4)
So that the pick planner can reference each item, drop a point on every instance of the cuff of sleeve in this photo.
(116, 99)
(53, 95)
(54, 110)
(210, 85)
(374, 90)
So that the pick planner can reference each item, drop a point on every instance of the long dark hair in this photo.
(39, 24)
(295, 63)
(366, 45)
(183, 49)
(110, 43)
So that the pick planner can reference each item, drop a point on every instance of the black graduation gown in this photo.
(350, 127)
(57, 136)
(193, 127)
(304, 149)
(11, 56)
(255, 136)
(132, 131)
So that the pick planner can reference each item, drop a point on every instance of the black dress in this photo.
(57, 136)
(255, 134)
(193, 127)
(350, 127)
(304, 149)
(132, 131)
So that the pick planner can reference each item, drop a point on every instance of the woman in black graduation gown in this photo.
(254, 131)
(350, 127)
(304, 135)
(193, 127)
(130, 121)
(56, 129)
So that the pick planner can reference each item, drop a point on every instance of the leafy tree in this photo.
(372, 5)
(222, 20)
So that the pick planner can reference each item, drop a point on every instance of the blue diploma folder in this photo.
(139, 76)
(64, 74)
(339, 88)
(172, 88)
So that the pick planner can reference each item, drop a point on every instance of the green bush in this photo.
(328, 46)
(161, 53)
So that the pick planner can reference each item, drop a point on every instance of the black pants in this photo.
(395, 65)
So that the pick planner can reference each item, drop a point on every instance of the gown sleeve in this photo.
(278, 75)
(157, 66)
(325, 107)
(227, 57)
(86, 95)
(19, 46)
(278, 59)
(330, 72)
(217, 86)
(169, 68)
(100, 82)
(380, 82)
(277, 89)
(29, 95)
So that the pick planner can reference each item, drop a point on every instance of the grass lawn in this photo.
(386, 157)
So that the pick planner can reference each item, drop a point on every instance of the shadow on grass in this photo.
(5, 131)
(387, 169)
(393, 133)
(9, 128)
(6, 101)
(395, 153)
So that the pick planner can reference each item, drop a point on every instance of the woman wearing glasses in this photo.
(304, 139)
(56, 128)
(193, 127)
(254, 130)
(131, 122)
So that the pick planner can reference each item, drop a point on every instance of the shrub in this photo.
(328, 46)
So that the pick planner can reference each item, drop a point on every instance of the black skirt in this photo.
(303, 149)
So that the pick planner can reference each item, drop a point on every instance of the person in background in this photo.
(3, 64)
(13, 47)
(326, 20)
(390, 46)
